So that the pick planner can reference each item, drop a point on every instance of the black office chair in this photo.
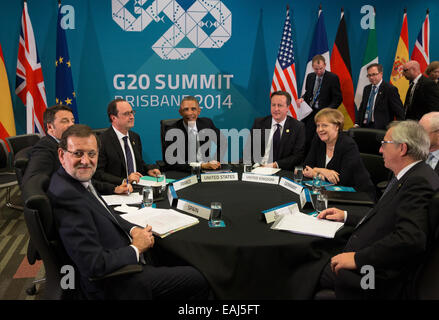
(8, 179)
(20, 164)
(164, 126)
(367, 139)
(379, 174)
(40, 223)
(99, 131)
(17, 143)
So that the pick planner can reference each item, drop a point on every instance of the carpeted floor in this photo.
(16, 275)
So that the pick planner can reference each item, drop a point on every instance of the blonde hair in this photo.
(332, 115)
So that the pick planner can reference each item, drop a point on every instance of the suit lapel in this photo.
(379, 97)
(116, 144)
(287, 132)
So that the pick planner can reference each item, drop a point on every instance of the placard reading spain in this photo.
(215, 177)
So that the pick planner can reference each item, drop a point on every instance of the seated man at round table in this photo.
(335, 156)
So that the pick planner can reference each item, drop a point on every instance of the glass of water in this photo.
(147, 196)
(298, 174)
(321, 202)
(196, 169)
(215, 213)
(161, 178)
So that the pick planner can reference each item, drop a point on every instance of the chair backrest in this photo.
(426, 281)
(4, 156)
(375, 166)
(99, 131)
(17, 143)
(164, 126)
(20, 163)
(40, 223)
(367, 139)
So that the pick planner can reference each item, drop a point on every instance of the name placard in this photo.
(172, 196)
(185, 182)
(194, 208)
(291, 185)
(272, 214)
(251, 177)
(305, 196)
(215, 177)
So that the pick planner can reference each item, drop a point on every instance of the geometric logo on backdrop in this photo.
(205, 23)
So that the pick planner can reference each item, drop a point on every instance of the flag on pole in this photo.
(319, 45)
(401, 57)
(284, 77)
(64, 91)
(421, 51)
(341, 66)
(29, 84)
(370, 56)
(7, 123)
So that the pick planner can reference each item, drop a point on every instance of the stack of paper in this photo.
(305, 224)
(115, 199)
(163, 221)
(265, 170)
(152, 181)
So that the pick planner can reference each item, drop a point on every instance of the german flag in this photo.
(341, 66)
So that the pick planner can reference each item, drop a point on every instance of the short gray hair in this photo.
(414, 136)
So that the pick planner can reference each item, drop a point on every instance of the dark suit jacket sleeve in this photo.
(431, 95)
(44, 160)
(362, 110)
(296, 155)
(409, 237)
(395, 103)
(335, 92)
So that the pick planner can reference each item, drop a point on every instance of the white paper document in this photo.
(162, 221)
(115, 199)
(303, 111)
(265, 170)
(304, 224)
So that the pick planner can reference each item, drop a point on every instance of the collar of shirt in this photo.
(378, 84)
(85, 184)
(57, 140)
(415, 81)
(191, 128)
(273, 124)
(120, 135)
(435, 153)
(407, 168)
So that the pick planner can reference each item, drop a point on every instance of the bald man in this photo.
(423, 94)
(430, 122)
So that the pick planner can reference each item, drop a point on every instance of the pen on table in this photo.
(128, 188)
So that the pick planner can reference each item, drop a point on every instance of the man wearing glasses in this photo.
(120, 155)
(430, 122)
(381, 103)
(423, 93)
(393, 237)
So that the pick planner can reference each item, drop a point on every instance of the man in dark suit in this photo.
(322, 90)
(191, 139)
(392, 237)
(120, 156)
(44, 155)
(423, 93)
(99, 241)
(280, 138)
(430, 122)
(380, 103)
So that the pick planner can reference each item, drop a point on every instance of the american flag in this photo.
(421, 50)
(29, 84)
(284, 77)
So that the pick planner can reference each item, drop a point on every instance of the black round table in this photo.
(247, 259)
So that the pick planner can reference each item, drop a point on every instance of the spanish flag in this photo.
(401, 57)
(341, 66)
(7, 123)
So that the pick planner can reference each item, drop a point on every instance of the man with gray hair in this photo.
(392, 237)
(430, 122)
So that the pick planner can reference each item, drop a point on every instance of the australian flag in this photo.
(64, 91)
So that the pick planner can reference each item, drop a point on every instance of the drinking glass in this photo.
(321, 202)
(147, 197)
(215, 213)
(298, 174)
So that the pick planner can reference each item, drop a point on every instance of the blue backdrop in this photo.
(229, 68)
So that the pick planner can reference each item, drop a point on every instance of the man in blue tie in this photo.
(381, 103)
(430, 122)
(393, 237)
(120, 156)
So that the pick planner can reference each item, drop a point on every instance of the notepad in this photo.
(115, 199)
(265, 170)
(305, 224)
(163, 221)
(152, 181)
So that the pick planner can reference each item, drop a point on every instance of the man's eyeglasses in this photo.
(126, 114)
(372, 75)
(383, 142)
(405, 70)
(79, 154)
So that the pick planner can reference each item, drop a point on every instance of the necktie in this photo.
(193, 136)
(409, 97)
(276, 142)
(316, 91)
(369, 108)
(129, 156)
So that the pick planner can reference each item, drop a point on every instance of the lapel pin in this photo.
(288, 131)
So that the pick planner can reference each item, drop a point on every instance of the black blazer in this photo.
(182, 163)
(346, 161)
(388, 105)
(330, 92)
(96, 242)
(425, 99)
(292, 142)
(111, 165)
(393, 237)
(44, 160)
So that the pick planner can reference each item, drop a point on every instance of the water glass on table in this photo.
(215, 213)
(298, 174)
(321, 202)
(147, 196)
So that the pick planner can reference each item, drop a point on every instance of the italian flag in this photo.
(370, 56)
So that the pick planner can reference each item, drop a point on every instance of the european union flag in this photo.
(64, 91)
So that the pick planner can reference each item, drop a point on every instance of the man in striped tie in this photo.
(392, 237)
